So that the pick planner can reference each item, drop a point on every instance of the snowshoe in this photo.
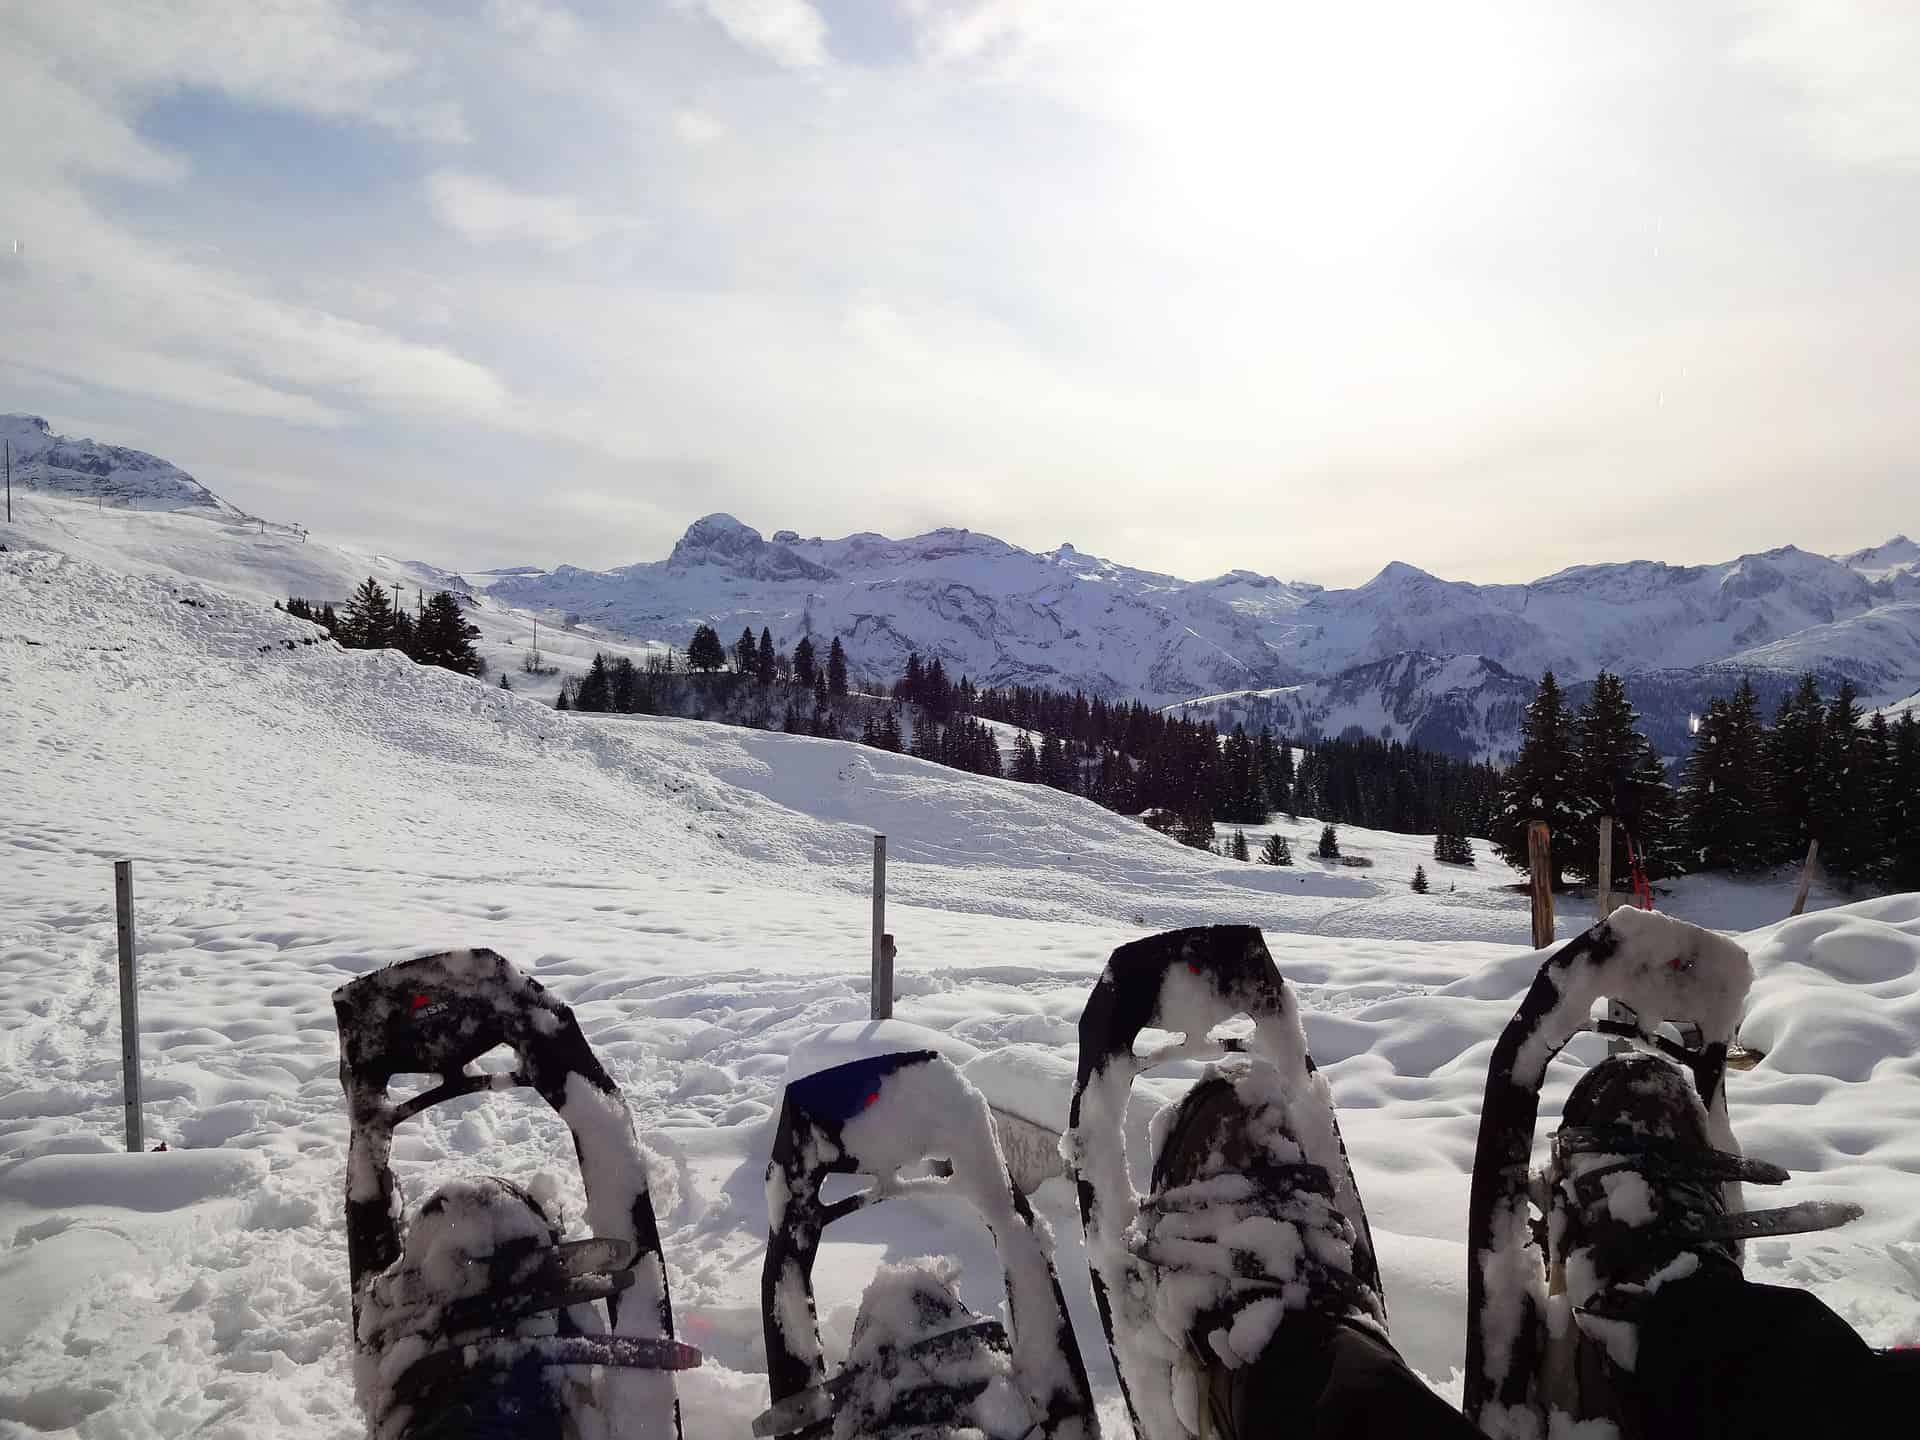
(1641, 1186)
(921, 1366)
(1252, 1213)
(472, 1317)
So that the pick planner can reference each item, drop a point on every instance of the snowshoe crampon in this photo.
(921, 1365)
(1644, 1173)
(1253, 1149)
(471, 1317)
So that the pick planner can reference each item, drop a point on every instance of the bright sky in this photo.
(1488, 286)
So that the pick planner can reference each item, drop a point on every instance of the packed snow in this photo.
(298, 815)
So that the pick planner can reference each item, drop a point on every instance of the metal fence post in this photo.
(129, 1002)
(882, 979)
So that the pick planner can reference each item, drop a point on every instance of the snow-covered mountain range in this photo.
(1407, 655)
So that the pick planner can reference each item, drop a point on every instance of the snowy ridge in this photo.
(53, 464)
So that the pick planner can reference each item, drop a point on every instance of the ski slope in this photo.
(299, 814)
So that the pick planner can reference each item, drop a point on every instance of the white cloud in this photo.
(486, 211)
(1856, 67)
(696, 127)
(318, 56)
(553, 29)
(157, 311)
(788, 32)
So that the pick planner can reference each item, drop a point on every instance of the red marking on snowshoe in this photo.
(420, 1002)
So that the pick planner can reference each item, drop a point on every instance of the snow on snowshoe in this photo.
(1252, 1211)
(472, 1317)
(1642, 1183)
(921, 1366)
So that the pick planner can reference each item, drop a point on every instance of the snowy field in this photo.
(299, 815)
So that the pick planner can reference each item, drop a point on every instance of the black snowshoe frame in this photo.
(436, 1015)
(1188, 982)
(1508, 1362)
(812, 1144)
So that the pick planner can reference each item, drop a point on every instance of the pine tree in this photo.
(1276, 851)
(746, 655)
(1875, 833)
(1283, 785)
(1451, 846)
(705, 652)
(623, 687)
(1026, 761)
(406, 637)
(1056, 767)
(368, 623)
(890, 731)
(1195, 829)
(1329, 846)
(1237, 847)
(1243, 785)
(803, 666)
(505, 684)
(1419, 879)
(445, 638)
(1724, 801)
(1620, 775)
(1842, 800)
(763, 662)
(1901, 805)
(1543, 782)
(560, 701)
(836, 668)
(925, 744)
(595, 690)
(1793, 761)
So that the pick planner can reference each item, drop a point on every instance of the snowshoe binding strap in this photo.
(1670, 1164)
(1195, 1228)
(933, 1383)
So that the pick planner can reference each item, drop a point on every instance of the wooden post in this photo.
(1806, 880)
(1539, 862)
(1606, 866)
(882, 993)
(129, 1002)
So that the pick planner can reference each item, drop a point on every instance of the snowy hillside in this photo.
(269, 563)
(1462, 705)
(299, 814)
(49, 464)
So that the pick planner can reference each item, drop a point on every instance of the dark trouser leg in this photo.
(1723, 1359)
(1354, 1387)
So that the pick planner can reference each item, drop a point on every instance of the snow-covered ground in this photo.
(300, 814)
